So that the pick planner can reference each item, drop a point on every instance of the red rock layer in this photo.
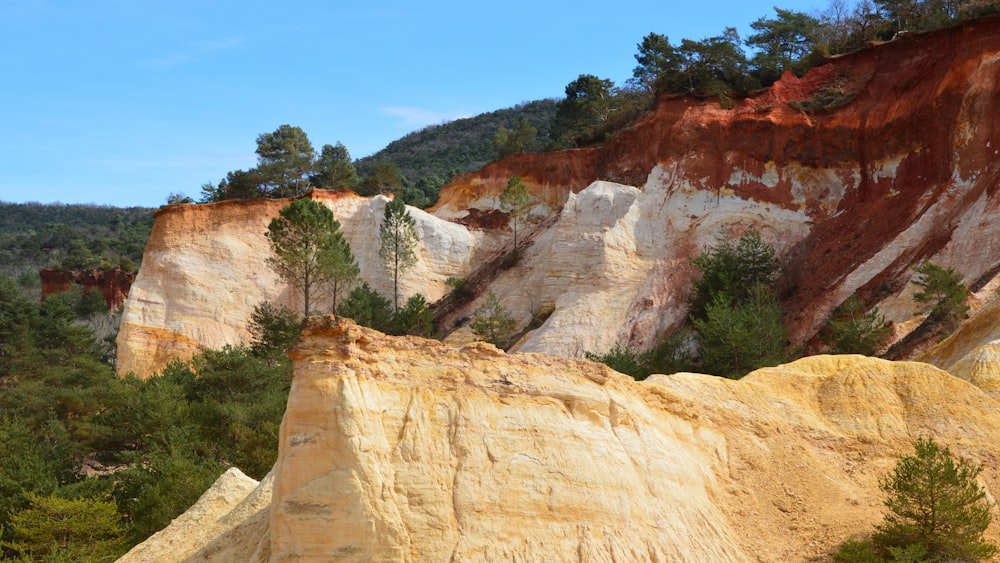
(913, 122)
(112, 284)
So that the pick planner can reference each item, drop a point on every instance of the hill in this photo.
(459, 146)
(35, 236)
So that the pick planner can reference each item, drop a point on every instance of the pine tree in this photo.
(935, 502)
(398, 243)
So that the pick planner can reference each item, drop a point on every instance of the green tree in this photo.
(935, 502)
(273, 329)
(851, 330)
(309, 249)
(382, 178)
(656, 57)
(508, 142)
(414, 318)
(943, 294)
(335, 169)
(78, 529)
(736, 338)
(493, 322)
(367, 308)
(285, 160)
(516, 201)
(733, 269)
(397, 243)
(784, 42)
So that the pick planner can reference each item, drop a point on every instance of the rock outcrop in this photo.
(900, 166)
(113, 285)
(205, 269)
(403, 449)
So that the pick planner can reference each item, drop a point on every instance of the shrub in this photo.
(850, 330)
(935, 503)
(273, 329)
(943, 293)
(493, 322)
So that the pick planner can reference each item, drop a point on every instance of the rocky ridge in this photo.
(403, 449)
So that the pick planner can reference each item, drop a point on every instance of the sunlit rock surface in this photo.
(404, 449)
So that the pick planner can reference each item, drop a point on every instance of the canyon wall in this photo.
(404, 449)
(901, 165)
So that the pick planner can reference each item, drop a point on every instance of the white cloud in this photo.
(416, 118)
(194, 52)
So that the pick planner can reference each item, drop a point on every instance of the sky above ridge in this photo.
(123, 102)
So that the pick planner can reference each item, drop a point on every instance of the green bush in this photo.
(851, 330)
(943, 293)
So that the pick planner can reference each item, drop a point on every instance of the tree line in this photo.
(728, 67)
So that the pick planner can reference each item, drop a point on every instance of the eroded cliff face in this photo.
(902, 166)
(205, 269)
(403, 449)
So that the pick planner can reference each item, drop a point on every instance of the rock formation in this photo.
(112, 284)
(403, 449)
(899, 166)
(205, 269)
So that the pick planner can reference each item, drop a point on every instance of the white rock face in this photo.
(205, 269)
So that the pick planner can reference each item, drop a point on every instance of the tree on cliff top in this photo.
(309, 249)
(398, 243)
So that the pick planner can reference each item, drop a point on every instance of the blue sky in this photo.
(122, 102)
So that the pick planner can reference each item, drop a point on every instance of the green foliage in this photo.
(273, 330)
(783, 43)
(335, 169)
(382, 178)
(459, 286)
(508, 142)
(623, 360)
(593, 109)
(493, 322)
(171, 435)
(77, 529)
(856, 551)
(285, 160)
(35, 236)
(414, 318)
(733, 270)
(669, 355)
(398, 240)
(310, 253)
(737, 337)
(935, 503)
(943, 294)
(516, 201)
(459, 146)
(367, 308)
(851, 330)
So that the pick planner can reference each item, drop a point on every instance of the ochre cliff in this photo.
(902, 166)
(205, 269)
(403, 449)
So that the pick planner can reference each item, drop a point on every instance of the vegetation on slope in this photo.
(115, 459)
(35, 236)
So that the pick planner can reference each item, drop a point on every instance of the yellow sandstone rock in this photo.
(404, 449)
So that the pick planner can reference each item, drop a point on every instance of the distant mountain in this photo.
(459, 146)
